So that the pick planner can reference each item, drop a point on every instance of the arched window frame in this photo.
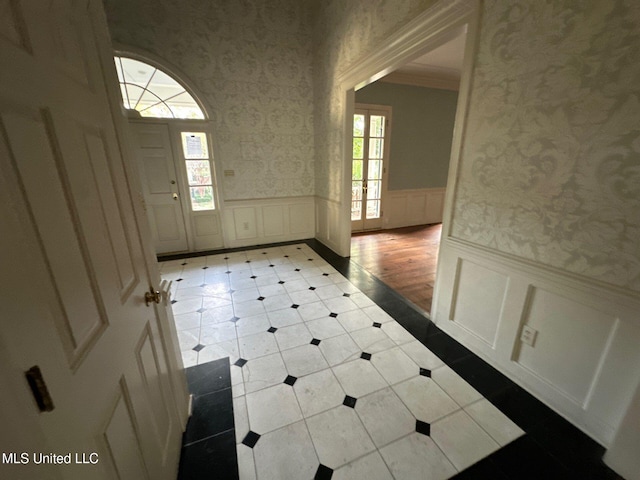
(171, 72)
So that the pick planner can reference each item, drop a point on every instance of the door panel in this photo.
(75, 300)
(160, 186)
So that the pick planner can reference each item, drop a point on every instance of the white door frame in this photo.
(434, 27)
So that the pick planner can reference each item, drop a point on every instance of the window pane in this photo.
(374, 171)
(356, 170)
(358, 125)
(375, 147)
(358, 147)
(202, 198)
(373, 208)
(199, 172)
(356, 190)
(194, 145)
(373, 190)
(356, 210)
(376, 124)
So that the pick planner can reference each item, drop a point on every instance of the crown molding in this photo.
(422, 80)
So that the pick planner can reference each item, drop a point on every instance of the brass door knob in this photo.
(151, 296)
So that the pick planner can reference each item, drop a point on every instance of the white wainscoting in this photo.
(585, 360)
(257, 222)
(328, 224)
(403, 208)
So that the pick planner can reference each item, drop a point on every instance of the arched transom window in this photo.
(154, 93)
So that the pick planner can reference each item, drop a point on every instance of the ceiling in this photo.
(444, 64)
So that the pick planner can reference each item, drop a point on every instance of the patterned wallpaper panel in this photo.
(551, 158)
(251, 62)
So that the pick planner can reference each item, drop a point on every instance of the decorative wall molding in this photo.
(328, 226)
(260, 221)
(423, 80)
(403, 208)
(584, 362)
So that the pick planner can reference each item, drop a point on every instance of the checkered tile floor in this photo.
(325, 383)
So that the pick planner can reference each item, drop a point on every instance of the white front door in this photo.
(369, 166)
(159, 181)
(103, 392)
(178, 174)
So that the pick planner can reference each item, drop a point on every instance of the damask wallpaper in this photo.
(250, 60)
(550, 169)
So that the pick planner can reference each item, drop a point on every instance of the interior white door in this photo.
(369, 166)
(75, 272)
(159, 180)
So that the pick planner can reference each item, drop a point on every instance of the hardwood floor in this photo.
(405, 259)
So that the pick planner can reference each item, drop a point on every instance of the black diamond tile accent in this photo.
(312, 288)
(204, 268)
(272, 266)
(174, 302)
(248, 261)
(260, 298)
(198, 347)
(423, 427)
(366, 356)
(286, 256)
(231, 290)
(179, 280)
(226, 258)
(425, 372)
(264, 253)
(333, 315)
(183, 263)
(377, 325)
(203, 285)
(299, 248)
(323, 473)
(297, 270)
(281, 282)
(290, 380)
(234, 319)
(310, 259)
(253, 277)
(251, 439)
(350, 401)
(201, 310)
(228, 271)
(325, 274)
(240, 362)
(295, 305)
(346, 294)
(272, 330)
(315, 341)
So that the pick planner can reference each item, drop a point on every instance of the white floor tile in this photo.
(326, 327)
(359, 378)
(394, 365)
(339, 436)
(277, 302)
(354, 320)
(187, 321)
(494, 422)
(263, 372)
(240, 417)
(284, 318)
(369, 467)
(188, 338)
(292, 336)
(217, 315)
(462, 440)
(339, 349)
(248, 309)
(303, 360)
(426, 400)
(272, 408)
(384, 416)
(376, 314)
(340, 304)
(286, 453)
(455, 386)
(397, 333)
(257, 345)
(218, 332)
(252, 325)
(313, 311)
(216, 351)
(417, 456)
(372, 340)
(246, 465)
(318, 392)
(420, 354)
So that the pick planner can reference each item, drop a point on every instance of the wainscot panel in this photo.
(568, 340)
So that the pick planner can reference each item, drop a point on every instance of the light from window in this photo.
(152, 92)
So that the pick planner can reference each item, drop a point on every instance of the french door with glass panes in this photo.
(369, 165)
